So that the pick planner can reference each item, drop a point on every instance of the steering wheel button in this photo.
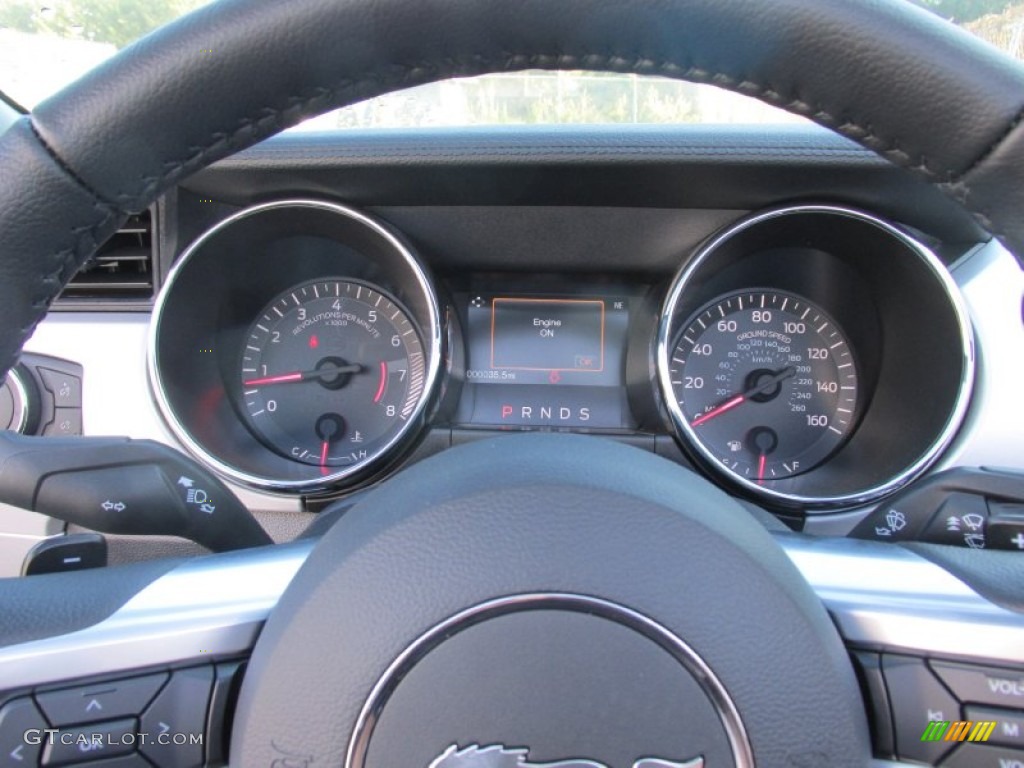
(1009, 726)
(917, 700)
(970, 755)
(100, 701)
(65, 388)
(66, 422)
(72, 746)
(176, 720)
(17, 719)
(984, 685)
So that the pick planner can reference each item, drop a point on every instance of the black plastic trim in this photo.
(703, 167)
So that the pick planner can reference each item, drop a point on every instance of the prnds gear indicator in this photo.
(541, 361)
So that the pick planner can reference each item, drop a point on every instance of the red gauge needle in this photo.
(728, 405)
(323, 456)
(383, 382)
(288, 378)
(329, 428)
(763, 385)
(284, 377)
(760, 468)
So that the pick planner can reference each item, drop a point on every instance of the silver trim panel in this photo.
(667, 329)
(992, 283)
(885, 597)
(207, 608)
(881, 597)
(19, 419)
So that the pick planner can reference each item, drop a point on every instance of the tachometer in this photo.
(766, 382)
(330, 372)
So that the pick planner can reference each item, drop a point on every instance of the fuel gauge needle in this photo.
(761, 462)
(325, 448)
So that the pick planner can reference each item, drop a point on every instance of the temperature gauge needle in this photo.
(760, 467)
(288, 378)
(329, 428)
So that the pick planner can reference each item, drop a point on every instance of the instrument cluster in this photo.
(812, 357)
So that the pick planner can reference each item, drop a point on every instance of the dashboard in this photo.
(777, 311)
(301, 346)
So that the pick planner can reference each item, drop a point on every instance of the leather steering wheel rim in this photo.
(884, 73)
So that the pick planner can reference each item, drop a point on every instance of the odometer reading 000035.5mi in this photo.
(766, 382)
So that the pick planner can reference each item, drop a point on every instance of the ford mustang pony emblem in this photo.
(497, 756)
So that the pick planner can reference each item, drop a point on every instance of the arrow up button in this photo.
(100, 701)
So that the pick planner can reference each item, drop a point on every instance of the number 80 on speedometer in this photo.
(766, 382)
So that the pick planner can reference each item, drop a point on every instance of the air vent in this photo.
(122, 270)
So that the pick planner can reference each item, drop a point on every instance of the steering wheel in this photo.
(590, 604)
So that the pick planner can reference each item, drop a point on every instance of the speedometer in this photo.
(766, 382)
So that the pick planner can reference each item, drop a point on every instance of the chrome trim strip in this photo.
(728, 714)
(207, 608)
(880, 596)
(19, 419)
(885, 597)
(433, 341)
(666, 328)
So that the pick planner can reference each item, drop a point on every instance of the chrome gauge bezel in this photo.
(430, 329)
(697, 270)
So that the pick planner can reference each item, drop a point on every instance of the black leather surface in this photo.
(883, 73)
(54, 604)
(917, 91)
(49, 224)
(565, 513)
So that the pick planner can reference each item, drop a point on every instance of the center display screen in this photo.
(545, 360)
